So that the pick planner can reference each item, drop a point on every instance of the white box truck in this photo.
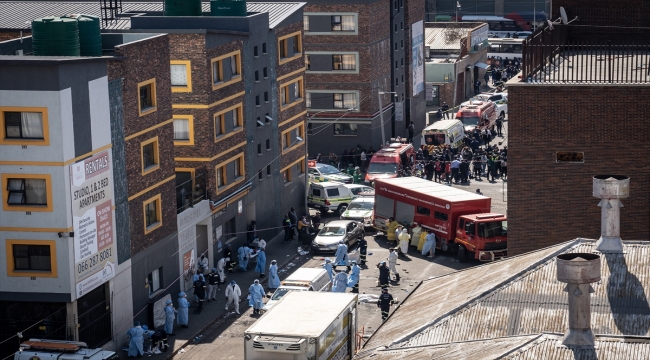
(305, 325)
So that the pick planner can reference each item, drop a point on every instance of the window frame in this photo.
(25, 141)
(286, 92)
(157, 198)
(49, 207)
(154, 100)
(222, 165)
(188, 72)
(156, 153)
(344, 133)
(285, 140)
(192, 172)
(335, 32)
(356, 107)
(190, 119)
(11, 271)
(153, 293)
(219, 59)
(290, 176)
(222, 122)
(282, 43)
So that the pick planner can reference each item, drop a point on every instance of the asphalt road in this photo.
(224, 338)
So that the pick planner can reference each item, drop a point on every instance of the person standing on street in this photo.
(213, 284)
(340, 282)
(227, 253)
(353, 279)
(429, 247)
(261, 263)
(170, 315)
(257, 294)
(286, 225)
(293, 217)
(384, 274)
(445, 110)
(411, 130)
(390, 229)
(363, 250)
(183, 308)
(455, 169)
(274, 279)
(221, 264)
(504, 168)
(392, 262)
(404, 239)
(491, 168)
(384, 302)
(136, 340)
(233, 293)
(328, 267)
(499, 124)
(203, 264)
(341, 255)
(243, 255)
(429, 170)
(199, 291)
(251, 233)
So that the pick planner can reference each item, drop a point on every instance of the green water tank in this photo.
(228, 8)
(55, 36)
(90, 37)
(183, 8)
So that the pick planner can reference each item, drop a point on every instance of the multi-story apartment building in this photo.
(203, 131)
(355, 50)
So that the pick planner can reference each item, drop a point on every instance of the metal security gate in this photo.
(95, 320)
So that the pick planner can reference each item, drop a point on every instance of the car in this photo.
(329, 237)
(360, 209)
(360, 190)
(522, 34)
(323, 172)
(500, 99)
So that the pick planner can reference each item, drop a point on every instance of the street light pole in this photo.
(457, 9)
(381, 115)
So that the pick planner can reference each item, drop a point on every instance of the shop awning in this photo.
(482, 65)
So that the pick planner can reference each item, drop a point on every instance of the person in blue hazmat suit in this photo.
(328, 267)
(429, 247)
(257, 294)
(170, 315)
(261, 262)
(136, 340)
(341, 254)
(353, 278)
(183, 308)
(340, 282)
(274, 279)
(243, 254)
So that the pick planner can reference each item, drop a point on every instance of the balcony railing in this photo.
(550, 57)
(190, 190)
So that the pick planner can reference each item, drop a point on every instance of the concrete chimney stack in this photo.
(610, 189)
(578, 271)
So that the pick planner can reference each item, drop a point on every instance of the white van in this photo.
(444, 132)
(326, 196)
(303, 279)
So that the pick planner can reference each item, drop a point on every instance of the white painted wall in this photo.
(99, 112)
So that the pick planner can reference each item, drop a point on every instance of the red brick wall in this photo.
(549, 202)
(9, 35)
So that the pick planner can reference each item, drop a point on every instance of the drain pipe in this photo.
(610, 189)
(578, 271)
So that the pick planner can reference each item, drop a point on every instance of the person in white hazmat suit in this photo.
(392, 262)
(221, 269)
(404, 238)
(429, 247)
(233, 294)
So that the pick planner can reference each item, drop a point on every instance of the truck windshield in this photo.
(493, 229)
(279, 293)
(382, 168)
(470, 120)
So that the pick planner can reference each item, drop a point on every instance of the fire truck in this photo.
(461, 220)
(387, 161)
(481, 114)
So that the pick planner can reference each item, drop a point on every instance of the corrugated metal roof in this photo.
(19, 14)
(521, 296)
(443, 38)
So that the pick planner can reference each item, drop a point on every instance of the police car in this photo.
(361, 210)
(324, 173)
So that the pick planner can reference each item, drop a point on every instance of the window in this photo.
(259, 149)
(290, 47)
(155, 281)
(257, 76)
(292, 137)
(402, 43)
(395, 27)
(260, 175)
(152, 213)
(264, 48)
(226, 69)
(395, 46)
(307, 62)
(27, 192)
(266, 96)
(181, 75)
(402, 61)
(344, 62)
(402, 78)
(257, 100)
(396, 82)
(345, 100)
(187, 192)
(35, 258)
(333, 192)
(570, 157)
(396, 66)
(423, 211)
(310, 130)
(255, 51)
(315, 192)
(147, 97)
(149, 153)
(265, 73)
(291, 93)
(268, 145)
(259, 122)
(268, 169)
(293, 171)
(345, 129)
(343, 23)
(229, 173)
(305, 22)
(401, 25)
(228, 121)
(22, 123)
(440, 216)
(183, 130)
(308, 99)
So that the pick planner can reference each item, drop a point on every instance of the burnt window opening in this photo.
(569, 157)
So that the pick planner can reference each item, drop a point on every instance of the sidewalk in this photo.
(214, 310)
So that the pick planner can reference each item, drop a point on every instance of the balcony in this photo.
(190, 190)
(552, 56)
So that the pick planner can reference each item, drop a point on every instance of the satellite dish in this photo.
(563, 16)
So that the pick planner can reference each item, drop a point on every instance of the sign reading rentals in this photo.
(91, 183)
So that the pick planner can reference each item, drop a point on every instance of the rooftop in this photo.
(520, 296)
(438, 39)
(17, 15)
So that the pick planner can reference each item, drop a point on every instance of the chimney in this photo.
(578, 270)
(610, 189)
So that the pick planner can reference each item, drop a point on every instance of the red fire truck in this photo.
(385, 162)
(460, 219)
(481, 114)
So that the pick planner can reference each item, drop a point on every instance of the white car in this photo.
(360, 190)
(361, 210)
(323, 172)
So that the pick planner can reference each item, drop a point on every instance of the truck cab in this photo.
(478, 114)
(482, 236)
(386, 162)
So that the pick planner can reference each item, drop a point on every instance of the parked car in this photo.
(323, 172)
(361, 210)
(328, 239)
(360, 190)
